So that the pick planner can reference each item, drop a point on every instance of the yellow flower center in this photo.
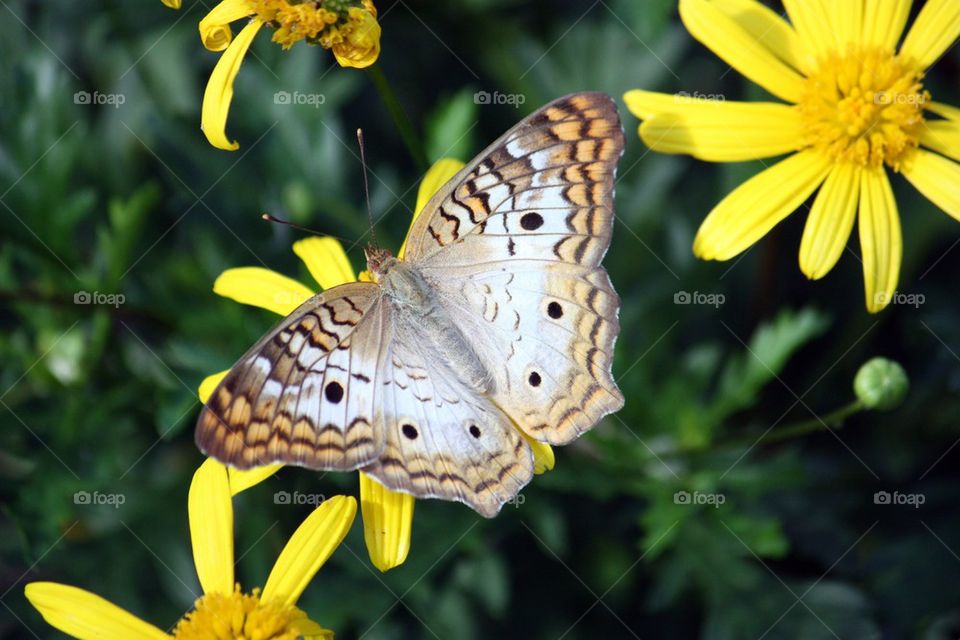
(323, 22)
(864, 107)
(241, 616)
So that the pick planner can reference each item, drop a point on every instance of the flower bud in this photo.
(881, 384)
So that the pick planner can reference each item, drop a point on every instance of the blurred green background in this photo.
(130, 199)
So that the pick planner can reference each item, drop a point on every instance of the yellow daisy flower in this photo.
(348, 27)
(857, 108)
(387, 515)
(224, 611)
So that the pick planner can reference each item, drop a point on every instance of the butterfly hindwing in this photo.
(307, 392)
(514, 246)
(443, 440)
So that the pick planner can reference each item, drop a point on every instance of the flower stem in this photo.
(832, 420)
(399, 116)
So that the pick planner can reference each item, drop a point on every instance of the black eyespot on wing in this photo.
(554, 310)
(334, 392)
(531, 221)
(475, 431)
(534, 379)
(410, 431)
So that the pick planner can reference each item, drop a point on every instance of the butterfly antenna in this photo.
(270, 218)
(366, 188)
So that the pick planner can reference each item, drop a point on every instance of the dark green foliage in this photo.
(131, 201)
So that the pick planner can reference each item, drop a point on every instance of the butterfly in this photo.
(498, 319)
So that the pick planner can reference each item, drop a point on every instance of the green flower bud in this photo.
(881, 384)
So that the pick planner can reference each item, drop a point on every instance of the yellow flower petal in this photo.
(830, 221)
(757, 205)
(880, 240)
(767, 27)
(883, 22)
(846, 19)
(309, 547)
(361, 47)
(435, 177)
(262, 288)
(215, 33)
(173, 4)
(87, 616)
(942, 136)
(650, 104)
(811, 19)
(243, 480)
(311, 630)
(543, 458)
(718, 131)
(356, 58)
(933, 32)
(740, 49)
(387, 521)
(219, 92)
(326, 261)
(209, 385)
(937, 178)
(211, 527)
(945, 110)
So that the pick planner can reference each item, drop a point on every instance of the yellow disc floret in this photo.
(864, 107)
(241, 616)
(328, 23)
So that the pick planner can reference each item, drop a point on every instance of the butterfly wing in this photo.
(443, 440)
(307, 393)
(513, 245)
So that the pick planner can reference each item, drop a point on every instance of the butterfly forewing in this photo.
(514, 246)
(307, 392)
(561, 157)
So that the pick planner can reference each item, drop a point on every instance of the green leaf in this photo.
(764, 358)
(449, 128)
(486, 577)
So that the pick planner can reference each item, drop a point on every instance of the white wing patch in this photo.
(442, 440)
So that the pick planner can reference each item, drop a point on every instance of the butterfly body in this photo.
(498, 324)
(421, 315)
